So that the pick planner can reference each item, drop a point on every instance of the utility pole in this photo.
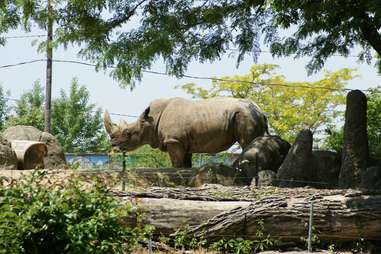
(49, 63)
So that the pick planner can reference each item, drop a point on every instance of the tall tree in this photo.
(77, 123)
(131, 35)
(29, 109)
(291, 106)
(49, 68)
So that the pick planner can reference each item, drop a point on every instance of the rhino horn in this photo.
(107, 122)
(123, 123)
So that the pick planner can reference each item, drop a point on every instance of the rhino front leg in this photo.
(177, 155)
(188, 160)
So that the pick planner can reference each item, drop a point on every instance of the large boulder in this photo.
(8, 159)
(265, 178)
(263, 153)
(55, 157)
(371, 178)
(355, 148)
(294, 171)
(325, 169)
(305, 167)
(217, 173)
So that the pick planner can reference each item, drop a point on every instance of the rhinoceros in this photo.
(263, 153)
(182, 127)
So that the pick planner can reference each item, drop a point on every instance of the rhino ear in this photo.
(146, 113)
(107, 122)
(145, 118)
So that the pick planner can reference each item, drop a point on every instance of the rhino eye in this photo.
(127, 133)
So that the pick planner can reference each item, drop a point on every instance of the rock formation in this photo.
(55, 157)
(355, 148)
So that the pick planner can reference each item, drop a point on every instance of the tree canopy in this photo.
(131, 35)
(29, 109)
(291, 106)
(76, 122)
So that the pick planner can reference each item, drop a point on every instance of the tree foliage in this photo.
(29, 109)
(325, 28)
(131, 35)
(374, 121)
(76, 122)
(291, 106)
(146, 156)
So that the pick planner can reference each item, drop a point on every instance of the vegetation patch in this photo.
(38, 216)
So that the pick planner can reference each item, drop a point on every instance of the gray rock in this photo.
(8, 159)
(326, 169)
(355, 148)
(55, 157)
(296, 169)
(304, 167)
(263, 153)
(371, 178)
(265, 178)
(216, 173)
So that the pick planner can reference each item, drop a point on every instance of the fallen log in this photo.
(168, 215)
(145, 177)
(339, 215)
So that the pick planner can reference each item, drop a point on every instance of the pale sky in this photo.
(106, 93)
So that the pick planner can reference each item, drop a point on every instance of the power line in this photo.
(256, 83)
(269, 52)
(93, 111)
(197, 77)
(229, 49)
(21, 63)
(24, 36)
(118, 114)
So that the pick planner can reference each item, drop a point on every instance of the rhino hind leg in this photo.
(245, 130)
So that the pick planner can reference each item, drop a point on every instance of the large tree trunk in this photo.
(49, 67)
(231, 212)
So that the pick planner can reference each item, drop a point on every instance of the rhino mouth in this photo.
(120, 147)
(116, 149)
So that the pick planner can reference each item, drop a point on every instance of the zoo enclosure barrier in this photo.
(115, 161)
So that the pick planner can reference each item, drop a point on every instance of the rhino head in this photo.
(125, 136)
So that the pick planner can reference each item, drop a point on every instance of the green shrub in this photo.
(185, 239)
(38, 216)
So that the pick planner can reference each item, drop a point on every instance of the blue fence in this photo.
(106, 161)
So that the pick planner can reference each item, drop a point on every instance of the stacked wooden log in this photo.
(216, 212)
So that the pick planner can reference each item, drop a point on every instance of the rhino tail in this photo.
(266, 125)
